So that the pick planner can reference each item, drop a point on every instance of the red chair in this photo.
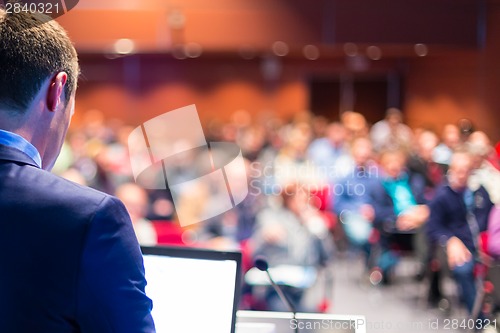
(169, 233)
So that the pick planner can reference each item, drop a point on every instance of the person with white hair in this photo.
(457, 216)
(484, 172)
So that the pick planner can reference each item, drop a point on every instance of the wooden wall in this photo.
(448, 84)
(458, 85)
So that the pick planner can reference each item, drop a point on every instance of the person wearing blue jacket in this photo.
(400, 209)
(351, 199)
(457, 217)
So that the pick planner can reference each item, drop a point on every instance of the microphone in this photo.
(262, 265)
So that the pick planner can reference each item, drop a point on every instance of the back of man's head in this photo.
(30, 53)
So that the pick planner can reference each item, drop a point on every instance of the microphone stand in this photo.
(263, 265)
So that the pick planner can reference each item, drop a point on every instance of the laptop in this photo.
(284, 322)
(193, 290)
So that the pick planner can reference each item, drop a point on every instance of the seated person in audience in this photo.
(351, 200)
(291, 234)
(400, 210)
(493, 251)
(391, 132)
(355, 125)
(457, 216)
(450, 139)
(292, 163)
(136, 201)
(327, 151)
(494, 233)
(234, 227)
(421, 162)
(484, 172)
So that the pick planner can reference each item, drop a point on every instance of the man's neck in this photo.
(19, 131)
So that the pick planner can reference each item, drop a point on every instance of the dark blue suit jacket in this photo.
(69, 258)
(449, 216)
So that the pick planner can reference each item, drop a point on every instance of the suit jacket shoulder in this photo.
(69, 255)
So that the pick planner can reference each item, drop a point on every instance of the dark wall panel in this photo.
(446, 22)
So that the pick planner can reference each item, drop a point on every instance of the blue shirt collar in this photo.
(18, 142)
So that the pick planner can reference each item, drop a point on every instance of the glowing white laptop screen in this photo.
(192, 290)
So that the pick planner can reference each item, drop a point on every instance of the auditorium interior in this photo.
(324, 100)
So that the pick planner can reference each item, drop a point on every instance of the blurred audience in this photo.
(291, 234)
(326, 151)
(391, 132)
(305, 173)
(450, 139)
(421, 162)
(292, 163)
(355, 125)
(289, 231)
(135, 200)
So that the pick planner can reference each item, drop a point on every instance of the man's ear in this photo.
(55, 90)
